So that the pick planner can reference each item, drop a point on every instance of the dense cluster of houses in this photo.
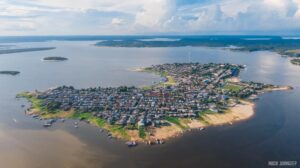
(198, 87)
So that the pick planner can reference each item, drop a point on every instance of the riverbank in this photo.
(237, 112)
(192, 96)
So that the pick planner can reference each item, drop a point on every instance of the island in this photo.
(192, 96)
(55, 59)
(295, 61)
(17, 50)
(9, 72)
(292, 53)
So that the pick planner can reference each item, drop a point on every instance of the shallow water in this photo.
(270, 135)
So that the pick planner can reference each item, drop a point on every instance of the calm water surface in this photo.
(272, 134)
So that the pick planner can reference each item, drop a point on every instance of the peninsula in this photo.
(17, 50)
(193, 96)
(9, 72)
(55, 59)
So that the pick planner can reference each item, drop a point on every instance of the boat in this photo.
(47, 124)
(131, 144)
(35, 116)
(15, 120)
(202, 128)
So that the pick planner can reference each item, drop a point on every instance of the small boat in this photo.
(35, 116)
(15, 120)
(131, 144)
(148, 143)
(47, 124)
(202, 128)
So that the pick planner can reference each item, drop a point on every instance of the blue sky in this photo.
(128, 17)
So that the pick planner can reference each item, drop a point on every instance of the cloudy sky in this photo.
(115, 17)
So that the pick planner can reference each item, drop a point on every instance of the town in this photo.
(189, 90)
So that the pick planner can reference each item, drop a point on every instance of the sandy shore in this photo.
(239, 112)
(242, 111)
(280, 88)
(138, 69)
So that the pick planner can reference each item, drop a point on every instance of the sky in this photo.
(149, 17)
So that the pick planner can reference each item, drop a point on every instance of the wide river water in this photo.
(272, 134)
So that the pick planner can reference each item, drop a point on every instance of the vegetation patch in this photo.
(201, 115)
(295, 61)
(118, 131)
(233, 88)
(98, 121)
(82, 115)
(176, 121)
(142, 132)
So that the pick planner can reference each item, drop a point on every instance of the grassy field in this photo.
(201, 115)
(36, 105)
(147, 87)
(142, 133)
(176, 121)
(116, 130)
(232, 88)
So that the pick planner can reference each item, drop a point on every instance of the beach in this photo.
(243, 111)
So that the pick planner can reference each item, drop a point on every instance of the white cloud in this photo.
(145, 16)
(117, 21)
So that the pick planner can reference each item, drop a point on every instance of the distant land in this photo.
(55, 59)
(9, 51)
(9, 72)
(247, 43)
(283, 45)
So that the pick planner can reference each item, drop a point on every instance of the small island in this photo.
(192, 96)
(9, 72)
(55, 59)
(295, 61)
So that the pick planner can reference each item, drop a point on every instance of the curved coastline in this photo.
(243, 110)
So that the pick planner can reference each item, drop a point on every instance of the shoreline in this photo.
(235, 112)
(238, 112)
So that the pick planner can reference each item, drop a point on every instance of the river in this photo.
(271, 135)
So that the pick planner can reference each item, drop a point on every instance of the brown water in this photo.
(272, 134)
